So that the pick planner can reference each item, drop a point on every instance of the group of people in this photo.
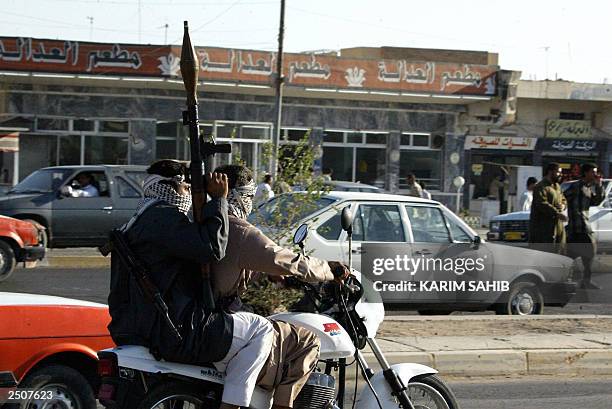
(551, 208)
(251, 349)
(416, 189)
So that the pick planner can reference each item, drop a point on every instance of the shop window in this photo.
(424, 164)
(354, 137)
(577, 116)
(340, 161)
(374, 138)
(36, 152)
(69, 150)
(335, 137)
(370, 166)
(114, 126)
(167, 129)
(83, 125)
(105, 150)
(51, 124)
(251, 132)
(296, 134)
(420, 140)
(227, 131)
(406, 139)
(165, 148)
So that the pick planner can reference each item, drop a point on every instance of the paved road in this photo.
(534, 393)
(92, 284)
(527, 393)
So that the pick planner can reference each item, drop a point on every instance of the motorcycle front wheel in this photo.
(430, 392)
(176, 395)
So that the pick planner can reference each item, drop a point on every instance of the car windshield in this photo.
(287, 209)
(42, 181)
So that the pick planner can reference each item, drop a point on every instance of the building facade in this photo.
(371, 114)
(556, 121)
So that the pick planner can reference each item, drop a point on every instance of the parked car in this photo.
(50, 344)
(76, 221)
(423, 228)
(342, 186)
(514, 227)
(20, 241)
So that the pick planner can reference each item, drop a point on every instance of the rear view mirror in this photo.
(346, 219)
(477, 240)
(300, 234)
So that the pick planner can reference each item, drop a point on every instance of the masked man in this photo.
(173, 248)
(295, 350)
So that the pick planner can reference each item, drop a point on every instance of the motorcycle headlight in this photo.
(494, 226)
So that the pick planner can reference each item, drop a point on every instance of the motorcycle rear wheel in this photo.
(176, 395)
(430, 392)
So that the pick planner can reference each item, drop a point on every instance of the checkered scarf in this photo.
(154, 190)
(240, 200)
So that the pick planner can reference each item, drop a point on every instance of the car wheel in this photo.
(45, 233)
(7, 260)
(524, 298)
(66, 387)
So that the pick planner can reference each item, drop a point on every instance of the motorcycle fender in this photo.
(406, 372)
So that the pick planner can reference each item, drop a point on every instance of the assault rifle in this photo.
(149, 290)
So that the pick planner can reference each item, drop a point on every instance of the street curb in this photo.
(76, 262)
(505, 362)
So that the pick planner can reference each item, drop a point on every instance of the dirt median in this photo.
(492, 327)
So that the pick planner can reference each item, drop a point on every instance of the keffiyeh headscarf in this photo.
(154, 190)
(240, 200)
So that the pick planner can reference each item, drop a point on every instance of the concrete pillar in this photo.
(392, 173)
(142, 142)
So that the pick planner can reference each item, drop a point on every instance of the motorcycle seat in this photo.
(139, 358)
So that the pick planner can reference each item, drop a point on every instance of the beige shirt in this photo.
(249, 251)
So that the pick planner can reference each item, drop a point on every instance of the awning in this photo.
(9, 142)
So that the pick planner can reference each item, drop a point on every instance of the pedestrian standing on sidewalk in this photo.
(581, 195)
(546, 232)
(424, 193)
(414, 189)
(264, 191)
(527, 196)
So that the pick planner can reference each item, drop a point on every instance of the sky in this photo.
(554, 39)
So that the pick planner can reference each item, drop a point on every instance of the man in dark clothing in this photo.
(546, 219)
(581, 195)
(173, 248)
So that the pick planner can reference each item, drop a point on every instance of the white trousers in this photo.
(251, 345)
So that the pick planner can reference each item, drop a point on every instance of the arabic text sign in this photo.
(248, 66)
(564, 145)
(500, 142)
(568, 129)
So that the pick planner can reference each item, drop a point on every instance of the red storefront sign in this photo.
(247, 66)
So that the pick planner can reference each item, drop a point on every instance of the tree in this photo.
(280, 217)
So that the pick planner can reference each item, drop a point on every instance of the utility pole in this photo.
(139, 21)
(90, 18)
(278, 104)
(166, 34)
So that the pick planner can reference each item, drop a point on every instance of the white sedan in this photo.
(387, 226)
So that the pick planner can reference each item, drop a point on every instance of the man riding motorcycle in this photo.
(172, 248)
(295, 350)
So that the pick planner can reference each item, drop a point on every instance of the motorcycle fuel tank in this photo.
(335, 341)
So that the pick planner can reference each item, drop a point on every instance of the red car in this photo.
(20, 241)
(50, 344)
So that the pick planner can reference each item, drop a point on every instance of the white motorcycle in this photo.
(346, 320)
